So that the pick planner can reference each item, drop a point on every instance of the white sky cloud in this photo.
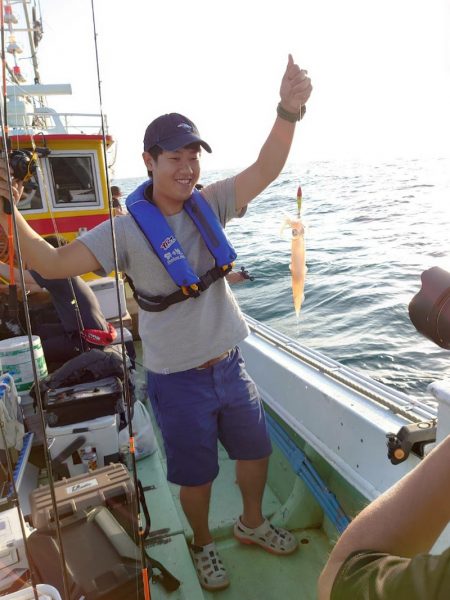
(380, 72)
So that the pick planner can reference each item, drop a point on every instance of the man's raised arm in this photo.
(295, 90)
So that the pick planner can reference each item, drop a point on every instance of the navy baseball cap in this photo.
(171, 132)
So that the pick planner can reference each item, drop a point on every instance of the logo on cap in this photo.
(185, 126)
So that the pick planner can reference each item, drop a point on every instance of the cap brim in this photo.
(183, 140)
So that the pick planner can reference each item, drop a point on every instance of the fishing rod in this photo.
(24, 167)
(12, 297)
(13, 235)
(8, 204)
(146, 568)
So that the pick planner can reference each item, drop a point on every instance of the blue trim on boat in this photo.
(303, 467)
(19, 469)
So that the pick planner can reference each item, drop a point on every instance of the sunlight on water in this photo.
(371, 229)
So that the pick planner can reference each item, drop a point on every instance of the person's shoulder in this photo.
(220, 189)
(365, 570)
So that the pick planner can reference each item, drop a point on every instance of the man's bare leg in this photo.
(251, 477)
(195, 503)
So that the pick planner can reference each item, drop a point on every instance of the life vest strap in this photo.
(160, 303)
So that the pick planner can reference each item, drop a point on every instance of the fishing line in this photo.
(145, 566)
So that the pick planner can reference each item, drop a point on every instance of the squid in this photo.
(298, 262)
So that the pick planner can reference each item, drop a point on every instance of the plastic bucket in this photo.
(15, 357)
(45, 592)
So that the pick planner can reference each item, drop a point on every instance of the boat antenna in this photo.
(32, 31)
(146, 569)
(2, 26)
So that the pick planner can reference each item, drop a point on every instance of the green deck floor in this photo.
(254, 573)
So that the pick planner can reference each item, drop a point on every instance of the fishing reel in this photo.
(23, 164)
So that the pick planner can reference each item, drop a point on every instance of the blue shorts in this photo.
(196, 408)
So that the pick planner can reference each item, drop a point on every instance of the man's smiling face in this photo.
(174, 175)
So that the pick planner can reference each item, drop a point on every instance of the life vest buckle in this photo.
(192, 291)
(213, 275)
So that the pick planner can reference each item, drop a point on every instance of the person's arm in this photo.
(294, 92)
(118, 211)
(29, 280)
(235, 277)
(117, 207)
(53, 263)
(404, 521)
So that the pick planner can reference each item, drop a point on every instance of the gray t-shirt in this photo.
(188, 333)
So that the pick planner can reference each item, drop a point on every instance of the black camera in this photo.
(429, 310)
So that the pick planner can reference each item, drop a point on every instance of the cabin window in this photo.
(73, 180)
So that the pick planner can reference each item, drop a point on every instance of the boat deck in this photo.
(254, 573)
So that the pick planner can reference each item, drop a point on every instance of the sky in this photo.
(380, 72)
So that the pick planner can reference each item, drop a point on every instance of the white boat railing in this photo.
(343, 415)
(52, 122)
(412, 409)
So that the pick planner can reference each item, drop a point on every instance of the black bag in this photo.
(84, 401)
(89, 366)
(429, 310)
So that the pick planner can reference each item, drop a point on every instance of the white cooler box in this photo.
(101, 434)
(13, 561)
(105, 290)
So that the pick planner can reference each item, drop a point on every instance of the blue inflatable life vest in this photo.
(169, 251)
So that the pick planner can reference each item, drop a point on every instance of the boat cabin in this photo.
(68, 193)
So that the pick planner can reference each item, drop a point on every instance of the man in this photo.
(116, 195)
(381, 555)
(198, 385)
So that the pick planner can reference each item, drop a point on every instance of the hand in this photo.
(295, 87)
(16, 185)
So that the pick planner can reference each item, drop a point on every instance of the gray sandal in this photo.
(273, 539)
(210, 570)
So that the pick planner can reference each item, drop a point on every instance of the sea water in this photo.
(371, 230)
